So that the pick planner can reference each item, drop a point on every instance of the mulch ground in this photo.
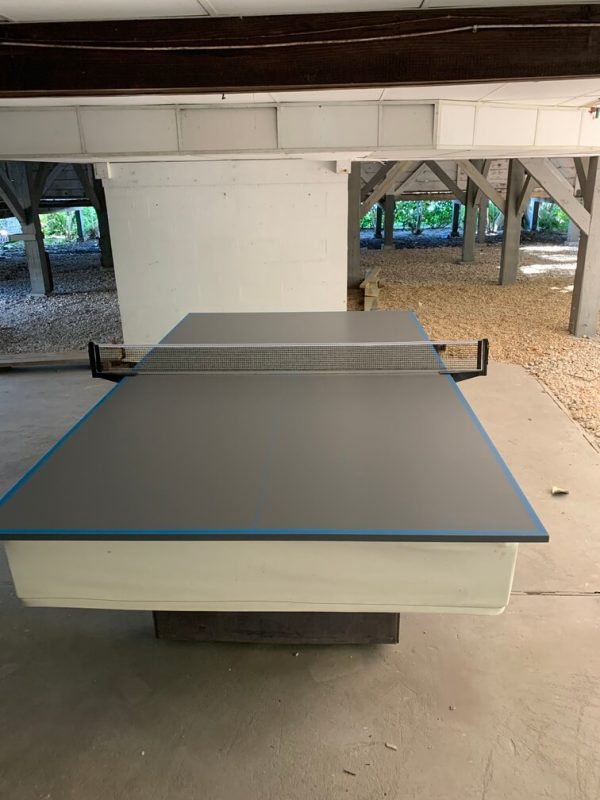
(526, 323)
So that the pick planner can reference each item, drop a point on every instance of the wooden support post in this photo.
(511, 240)
(354, 272)
(388, 221)
(550, 178)
(469, 225)
(573, 233)
(95, 194)
(106, 255)
(468, 248)
(478, 171)
(40, 273)
(378, 221)
(581, 169)
(586, 290)
(19, 189)
(482, 220)
(386, 185)
(79, 225)
(375, 180)
(448, 182)
(455, 218)
(535, 214)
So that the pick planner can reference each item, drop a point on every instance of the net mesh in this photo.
(450, 357)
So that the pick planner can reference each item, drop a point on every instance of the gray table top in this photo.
(245, 455)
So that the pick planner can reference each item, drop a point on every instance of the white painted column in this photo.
(211, 236)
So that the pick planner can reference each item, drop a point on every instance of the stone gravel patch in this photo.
(83, 305)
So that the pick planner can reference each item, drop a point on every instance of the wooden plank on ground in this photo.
(275, 627)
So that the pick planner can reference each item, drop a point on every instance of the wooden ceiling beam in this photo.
(302, 51)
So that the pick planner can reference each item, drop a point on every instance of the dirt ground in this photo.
(526, 323)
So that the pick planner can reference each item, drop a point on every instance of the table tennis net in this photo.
(458, 358)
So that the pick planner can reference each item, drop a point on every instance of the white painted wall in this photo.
(225, 236)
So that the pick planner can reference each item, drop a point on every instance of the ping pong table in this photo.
(277, 478)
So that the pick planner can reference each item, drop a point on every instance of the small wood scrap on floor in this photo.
(371, 286)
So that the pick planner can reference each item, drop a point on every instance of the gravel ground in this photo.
(83, 305)
(526, 323)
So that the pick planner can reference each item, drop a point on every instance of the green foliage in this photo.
(409, 215)
(62, 225)
(368, 221)
(90, 223)
(552, 218)
(54, 224)
(494, 218)
(416, 216)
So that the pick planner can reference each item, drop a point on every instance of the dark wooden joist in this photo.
(315, 51)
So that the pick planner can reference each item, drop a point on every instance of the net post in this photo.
(483, 350)
(93, 355)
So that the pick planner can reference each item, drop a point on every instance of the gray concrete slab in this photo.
(91, 706)
(544, 448)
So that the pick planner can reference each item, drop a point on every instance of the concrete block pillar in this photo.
(354, 271)
(390, 210)
(511, 240)
(586, 289)
(173, 258)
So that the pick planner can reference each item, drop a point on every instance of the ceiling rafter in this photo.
(299, 51)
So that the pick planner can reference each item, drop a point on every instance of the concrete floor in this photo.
(497, 708)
